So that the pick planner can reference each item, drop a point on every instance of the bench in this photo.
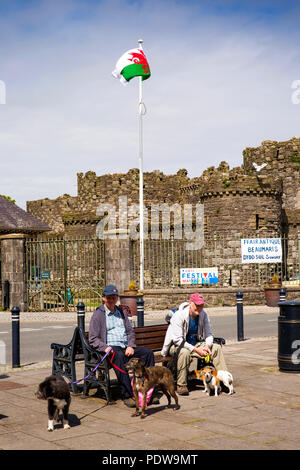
(65, 357)
(152, 337)
(79, 349)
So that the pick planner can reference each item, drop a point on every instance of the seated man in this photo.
(190, 325)
(110, 327)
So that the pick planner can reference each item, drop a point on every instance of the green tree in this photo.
(8, 198)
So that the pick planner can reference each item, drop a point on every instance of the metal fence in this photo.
(164, 258)
(62, 272)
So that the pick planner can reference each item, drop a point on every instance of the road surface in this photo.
(36, 337)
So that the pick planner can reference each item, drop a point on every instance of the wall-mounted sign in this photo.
(46, 274)
(261, 250)
(198, 276)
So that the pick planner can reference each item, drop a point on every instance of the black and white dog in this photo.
(56, 390)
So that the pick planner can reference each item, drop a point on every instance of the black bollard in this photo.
(140, 310)
(15, 317)
(81, 315)
(240, 316)
(288, 337)
(282, 295)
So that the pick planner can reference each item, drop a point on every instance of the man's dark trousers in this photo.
(120, 360)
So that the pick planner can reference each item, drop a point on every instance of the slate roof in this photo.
(13, 219)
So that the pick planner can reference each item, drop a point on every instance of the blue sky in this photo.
(221, 81)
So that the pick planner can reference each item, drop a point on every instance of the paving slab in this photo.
(22, 441)
(262, 414)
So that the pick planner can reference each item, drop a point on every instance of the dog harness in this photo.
(209, 380)
(148, 395)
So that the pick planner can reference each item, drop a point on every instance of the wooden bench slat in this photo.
(150, 345)
(158, 326)
(151, 334)
(150, 337)
(150, 329)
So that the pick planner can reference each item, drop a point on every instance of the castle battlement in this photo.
(262, 194)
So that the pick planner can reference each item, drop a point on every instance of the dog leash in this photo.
(116, 367)
(77, 381)
(110, 360)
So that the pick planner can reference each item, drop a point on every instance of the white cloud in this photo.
(218, 84)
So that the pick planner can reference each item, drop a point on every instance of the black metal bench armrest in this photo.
(71, 346)
(58, 345)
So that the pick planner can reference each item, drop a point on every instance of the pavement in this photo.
(262, 414)
(149, 315)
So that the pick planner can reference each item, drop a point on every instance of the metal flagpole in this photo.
(141, 198)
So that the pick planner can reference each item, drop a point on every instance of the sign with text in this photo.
(198, 276)
(46, 274)
(261, 250)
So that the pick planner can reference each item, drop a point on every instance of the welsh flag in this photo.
(132, 64)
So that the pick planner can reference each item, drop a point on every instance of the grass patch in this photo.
(194, 421)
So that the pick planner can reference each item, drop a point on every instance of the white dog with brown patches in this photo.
(212, 379)
(227, 379)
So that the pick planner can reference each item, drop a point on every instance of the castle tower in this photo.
(236, 203)
(280, 160)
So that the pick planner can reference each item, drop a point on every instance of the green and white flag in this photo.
(132, 64)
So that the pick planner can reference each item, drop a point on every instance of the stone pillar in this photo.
(13, 268)
(117, 259)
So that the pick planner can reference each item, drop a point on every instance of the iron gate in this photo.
(63, 272)
(164, 258)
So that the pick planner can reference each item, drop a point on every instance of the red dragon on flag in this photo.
(132, 63)
(140, 58)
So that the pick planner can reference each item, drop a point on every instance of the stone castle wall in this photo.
(240, 202)
(281, 160)
(51, 211)
(235, 202)
(77, 215)
(238, 199)
(158, 187)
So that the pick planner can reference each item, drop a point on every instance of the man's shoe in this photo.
(182, 390)
(130, 402)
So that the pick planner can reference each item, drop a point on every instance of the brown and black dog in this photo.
(144, 378)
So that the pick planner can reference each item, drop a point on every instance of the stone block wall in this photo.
(117, 263)
(160, 299)
(269, 192)
(281, 159)
(235, 202)
(77, 214)
(242, 201)
(51, 211)
(158, 187)
(214, 297)
(13, 268)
